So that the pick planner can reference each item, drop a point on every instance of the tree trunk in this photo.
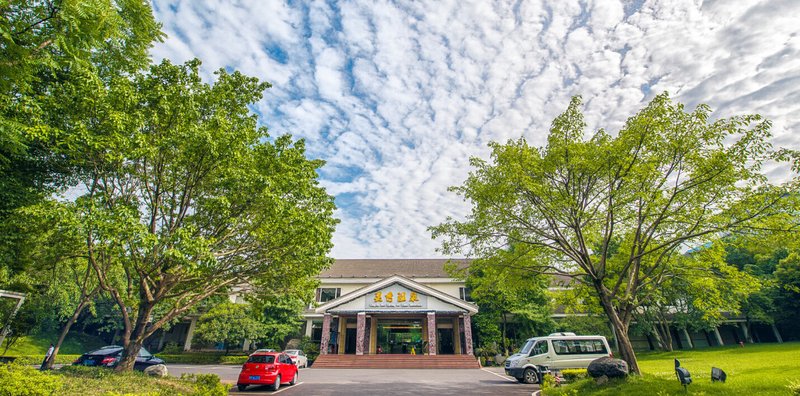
(657, 334)
(621, 329)
(136, 340)
(505, 336)
(666, 335)
(51, 360)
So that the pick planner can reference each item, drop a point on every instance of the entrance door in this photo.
(350, 341)
(400, 336)
(445, 339)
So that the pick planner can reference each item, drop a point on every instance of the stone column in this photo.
(431, 333)
(326, 334)
(187, 346)
(468, 333)
(718, 337)
(777, 334)
(309, 327)
(746, 332)
(361, 326)
(688, 338)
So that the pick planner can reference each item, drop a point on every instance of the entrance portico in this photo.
(396, 315)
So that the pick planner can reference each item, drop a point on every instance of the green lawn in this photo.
(762, 369)
(31, 349)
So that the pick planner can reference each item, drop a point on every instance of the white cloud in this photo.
(396, 96)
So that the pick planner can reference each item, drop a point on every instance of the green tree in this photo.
(43, 43)
(507, 294)
(48, 264)
(229, 324)
(186, 196)
(612, 212)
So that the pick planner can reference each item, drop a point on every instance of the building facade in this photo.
(368, 307)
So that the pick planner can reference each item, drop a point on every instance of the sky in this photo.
(396, 96)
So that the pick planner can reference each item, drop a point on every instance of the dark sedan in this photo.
(109, 356)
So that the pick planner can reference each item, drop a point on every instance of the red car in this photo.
(268, 368)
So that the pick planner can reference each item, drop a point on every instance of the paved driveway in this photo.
(351, 382)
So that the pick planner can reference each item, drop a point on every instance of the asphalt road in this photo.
(334, 382)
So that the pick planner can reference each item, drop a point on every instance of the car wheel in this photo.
(277, 383)
(294, 380)
(241, 387)
(529, 376)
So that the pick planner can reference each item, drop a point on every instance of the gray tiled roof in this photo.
(382, 268)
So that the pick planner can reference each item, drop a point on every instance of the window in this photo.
(261, 359)
(325, 294)
(576, 347)
(540, 348)
(465, 293)
(316, 330)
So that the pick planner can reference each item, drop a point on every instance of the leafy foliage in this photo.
(187, 196)
(230, 324)
(24, 380)
(614, 212)
(510, 301)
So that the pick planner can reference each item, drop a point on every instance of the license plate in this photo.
(255, 377)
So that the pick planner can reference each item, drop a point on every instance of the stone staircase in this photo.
(388, 361)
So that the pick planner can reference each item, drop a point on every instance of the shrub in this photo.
(20, 380)
(310, 348)
(206, 384)
(172, 348)
(232, 359)
(574, 374)
(548, 382)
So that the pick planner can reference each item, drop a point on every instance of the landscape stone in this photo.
(158, 370)
(609, 367)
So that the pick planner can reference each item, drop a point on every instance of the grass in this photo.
(31, 349)
(762, 369)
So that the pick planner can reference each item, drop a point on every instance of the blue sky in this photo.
(396, 96)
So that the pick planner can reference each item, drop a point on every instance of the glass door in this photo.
(400, 336)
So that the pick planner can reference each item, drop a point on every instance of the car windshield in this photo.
(292, 351)
(526, 349)
(143, 353)
(261, 359)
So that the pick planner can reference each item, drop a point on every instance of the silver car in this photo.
(298, 357)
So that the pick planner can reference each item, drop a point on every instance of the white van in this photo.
(555, 352)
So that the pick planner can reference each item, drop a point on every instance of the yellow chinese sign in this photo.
(396, 296)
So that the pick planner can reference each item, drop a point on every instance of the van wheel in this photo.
(529, 376)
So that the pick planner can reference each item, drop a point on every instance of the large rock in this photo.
(610, 367)
(158, 370)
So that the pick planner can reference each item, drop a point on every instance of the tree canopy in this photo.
(614, 211)
(186, 196)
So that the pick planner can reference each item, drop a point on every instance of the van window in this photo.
(526, 349)
(576, 347)
(540, 348)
